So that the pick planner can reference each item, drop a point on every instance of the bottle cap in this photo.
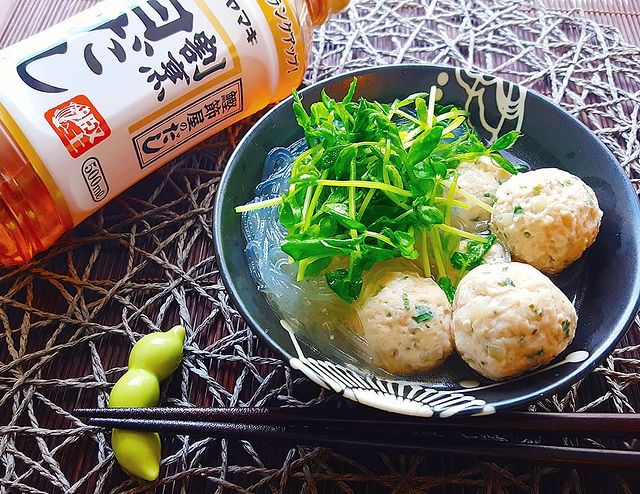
(336, 6)
(328, 7)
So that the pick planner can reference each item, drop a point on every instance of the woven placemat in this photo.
(146, 262)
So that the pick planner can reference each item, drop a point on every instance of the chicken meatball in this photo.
(407, 323)
(510, 318)
(546, 217)
(481, 179)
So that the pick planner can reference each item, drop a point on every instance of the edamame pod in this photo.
(158, 353)
(137, 388)
(137, 452)
(152, 359)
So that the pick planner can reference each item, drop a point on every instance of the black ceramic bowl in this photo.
(604, 284)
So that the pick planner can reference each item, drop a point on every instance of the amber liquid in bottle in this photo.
(30, 219)
(33, 213)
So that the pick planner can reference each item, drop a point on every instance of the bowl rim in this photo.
(626, 317)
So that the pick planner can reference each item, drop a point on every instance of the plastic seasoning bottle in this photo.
(89, 107)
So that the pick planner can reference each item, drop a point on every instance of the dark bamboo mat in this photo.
(21, 18)
(622, 14)
(145, 262)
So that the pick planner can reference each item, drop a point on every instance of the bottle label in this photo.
(103, 99)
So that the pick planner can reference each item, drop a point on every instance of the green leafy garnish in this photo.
(505, 141)
(341, 283)
(566, 326)
(448, 288)
(423, 314)
(517, 210)
(491, 196)
(504, 163)
(537, 354)
(405, 302)
(506, 282)
(474, 256)
(340, 212)
(379, 181)
(303, 248)
(536, 310)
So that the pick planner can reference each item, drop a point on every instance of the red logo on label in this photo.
(78, 124)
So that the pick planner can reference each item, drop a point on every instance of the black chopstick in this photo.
(383, 439)
(559, 424)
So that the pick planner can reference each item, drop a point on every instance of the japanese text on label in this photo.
(137, 30)
(188, 122)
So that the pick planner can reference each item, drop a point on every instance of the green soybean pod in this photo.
(153, 358)
(135, 389)
(137, 452)
(159, 353)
